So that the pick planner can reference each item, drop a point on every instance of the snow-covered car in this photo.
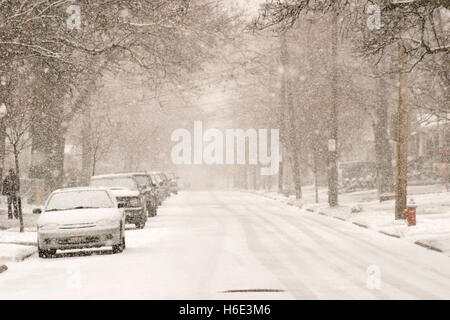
(131, 203)
(158, 182)
(126, 189)
(163, 183)
(78, 218)
(173, 183)
(149, 190)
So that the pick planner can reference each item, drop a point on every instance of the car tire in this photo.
(118, 248)
(46, 253)
(140, 225)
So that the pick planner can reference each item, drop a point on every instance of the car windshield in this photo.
(119, 182)
(142, 180)
(156, 178)
(86, 199)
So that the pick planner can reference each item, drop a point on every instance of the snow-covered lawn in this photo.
(15, 252)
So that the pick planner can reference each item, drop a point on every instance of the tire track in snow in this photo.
(341, 268)
(377, 253)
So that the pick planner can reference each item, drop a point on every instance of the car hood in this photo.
(78, 216)
(124, 193)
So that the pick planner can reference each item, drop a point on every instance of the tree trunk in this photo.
(316, 187)
(19, 199)
(60, 142)
(383, 151)
(333, 126)
(2, 147)
(86, 145)
(402, 136)
(294, 142)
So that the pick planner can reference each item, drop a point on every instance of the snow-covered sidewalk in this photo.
(15, 245)
(433, 213)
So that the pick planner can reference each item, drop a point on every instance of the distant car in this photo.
(165, 185)
(149, 189)
(173, 183)
(134, 198)
(161, 189)
(80, 218)
(357, 175)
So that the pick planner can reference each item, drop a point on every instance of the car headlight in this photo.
(108, 222)
(50, 226)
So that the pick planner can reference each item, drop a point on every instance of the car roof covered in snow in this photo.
(124, 192)
(142, 173)
(82, 189)
(113, 175)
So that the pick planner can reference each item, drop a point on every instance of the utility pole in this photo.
(402, 135)
(333, 126)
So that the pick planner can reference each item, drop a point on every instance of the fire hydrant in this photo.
(410, 213)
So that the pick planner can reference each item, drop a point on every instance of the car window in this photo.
(116, 182)
(85, 199)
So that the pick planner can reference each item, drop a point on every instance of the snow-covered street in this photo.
(235, 245)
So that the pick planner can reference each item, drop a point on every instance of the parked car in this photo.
(127, 191)
(357, 175)
(173, 182)
(149, 189)
(165, 185)
(80, 218)
(160, 189)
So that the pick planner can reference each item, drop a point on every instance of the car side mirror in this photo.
(37, 211)
(121, 205)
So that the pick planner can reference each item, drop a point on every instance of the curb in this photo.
(427, 246)
(3, 268)
(24, 257)
(360, 225)
(20, 243)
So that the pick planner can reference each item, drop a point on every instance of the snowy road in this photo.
(205, 243)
